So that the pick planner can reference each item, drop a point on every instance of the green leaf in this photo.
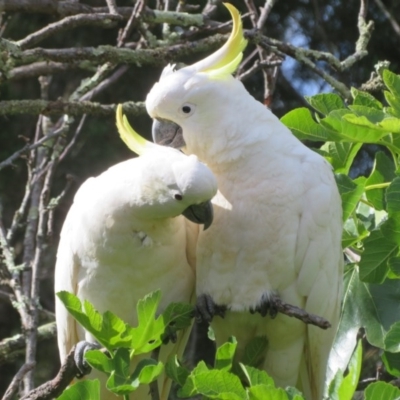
(214, 384)
(381, 391)
(303, 126)
(177, 316)
(392, 338)
(350, 192)
(146, 372)
(176, 371)
(392, 82)
(255, 376)
(393, 196)
(254, 351)
(110, 331)
(365, 99)
(294, 394)
(148, 334)
(360, 129)
(350, 381)
(371, 114)
(225, 353)
(373, 307)
(82, 390)
(374, 261)
(100, 361)
(325, 102)
(262, 392)
(341, 155)
(382, 172)
(394, 267)
(392, 363)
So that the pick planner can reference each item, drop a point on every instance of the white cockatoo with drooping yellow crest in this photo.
(125, 236)
(277, 216)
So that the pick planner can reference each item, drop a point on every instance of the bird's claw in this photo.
(268, 305)
(206, 309)
(79, 357)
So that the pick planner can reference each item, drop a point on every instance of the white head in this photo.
(172, 183)
(198, 96)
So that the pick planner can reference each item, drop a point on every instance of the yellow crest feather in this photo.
(130, 137)
(226, 59)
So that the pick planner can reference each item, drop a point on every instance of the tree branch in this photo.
(299, 313)
(74, 21)
(56, 386)
(45, 107)
(18, 377)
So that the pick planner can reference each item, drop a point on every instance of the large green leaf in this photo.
(341, 155)
(224, 355)
(109, 330)
(374, 265)
(303, 126)
(350, 192)
(325, 102)
(255, 376)
(214, 384)
(381, 391)
(392, 81)
(372, 306)
(255, 351)
(263, 392)
(365, 99)
(82, 390)
(383, 172)
(393, 196)
(350, 381)
(176, 371)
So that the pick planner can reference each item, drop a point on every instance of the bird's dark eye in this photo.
(186, 109)
(178, 197)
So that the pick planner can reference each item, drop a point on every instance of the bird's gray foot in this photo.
(267, 305)
(80, 349)
(206, 309)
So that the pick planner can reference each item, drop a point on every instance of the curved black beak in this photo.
(167, 133)
(200, 213)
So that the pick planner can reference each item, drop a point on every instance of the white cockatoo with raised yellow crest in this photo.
(125, 236)
(277, 216)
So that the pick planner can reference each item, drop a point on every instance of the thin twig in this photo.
(395, 25)
(74, 21)
(257, 66)
(136, 13)
(112, 6)
(104, 84)
(9, 162)
(18, 377)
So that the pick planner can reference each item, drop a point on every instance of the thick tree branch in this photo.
(15, 107)
(55, 387)
(113, 54)
(19, 376)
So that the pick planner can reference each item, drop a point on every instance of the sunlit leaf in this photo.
(381, 391)
(350, 381)
(82, 390)
(325, 102)
(224, 355)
